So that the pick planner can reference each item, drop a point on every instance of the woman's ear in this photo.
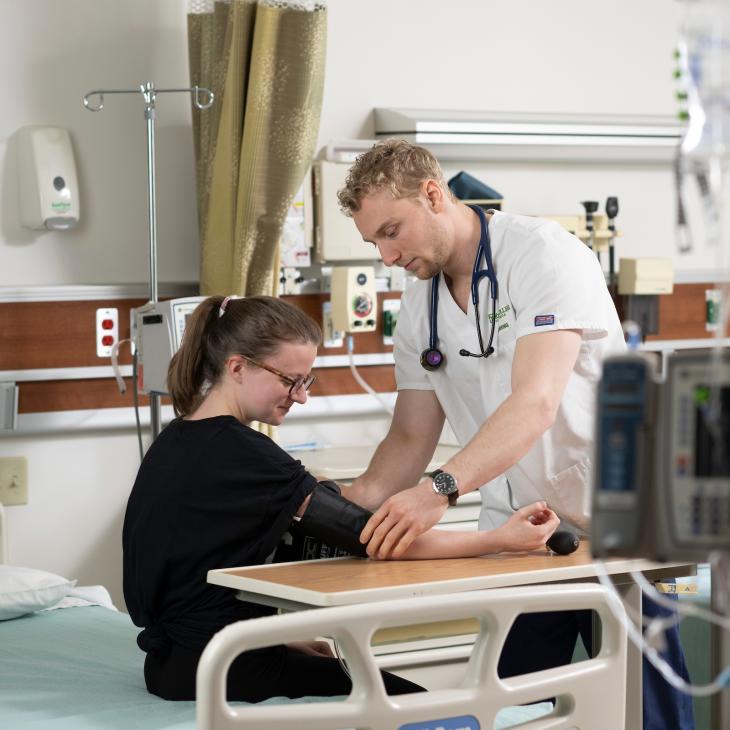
(236, 367)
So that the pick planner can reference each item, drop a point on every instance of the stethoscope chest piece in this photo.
(432, 358)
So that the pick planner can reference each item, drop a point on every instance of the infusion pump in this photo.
(157, 330)
(662, 479)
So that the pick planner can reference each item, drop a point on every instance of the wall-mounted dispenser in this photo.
(47, 182)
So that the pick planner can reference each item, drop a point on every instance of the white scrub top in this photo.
(547, 280)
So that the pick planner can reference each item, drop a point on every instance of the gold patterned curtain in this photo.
(264, 60)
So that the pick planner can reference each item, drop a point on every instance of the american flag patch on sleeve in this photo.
(542, 319)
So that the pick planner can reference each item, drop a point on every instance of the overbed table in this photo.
(341, 581)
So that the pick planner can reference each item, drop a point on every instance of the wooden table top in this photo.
(354, 580)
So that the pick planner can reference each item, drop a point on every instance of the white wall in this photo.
(569, 56)
(51, 54)
(77, 492)
(522, 55)
(564, 56)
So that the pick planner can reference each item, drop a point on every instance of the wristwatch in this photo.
(445, 484)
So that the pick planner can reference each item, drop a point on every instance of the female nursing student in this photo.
(213, 493)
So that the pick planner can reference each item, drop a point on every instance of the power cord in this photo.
(123, 387)
(359, 379)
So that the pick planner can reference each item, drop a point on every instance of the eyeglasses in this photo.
(295, 384)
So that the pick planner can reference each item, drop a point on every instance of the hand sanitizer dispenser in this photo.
(47, 184)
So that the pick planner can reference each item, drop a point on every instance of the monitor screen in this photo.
(712, 431)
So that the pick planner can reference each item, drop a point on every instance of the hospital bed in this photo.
(79, 668)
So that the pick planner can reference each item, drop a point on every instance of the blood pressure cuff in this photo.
(330, 527)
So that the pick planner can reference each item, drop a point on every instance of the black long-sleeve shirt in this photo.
(211, 493)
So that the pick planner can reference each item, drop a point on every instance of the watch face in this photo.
(444, 483)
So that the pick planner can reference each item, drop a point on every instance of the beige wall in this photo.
(51, 53)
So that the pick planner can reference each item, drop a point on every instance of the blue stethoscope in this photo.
(432, 358)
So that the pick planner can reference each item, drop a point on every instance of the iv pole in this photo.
(203, 99)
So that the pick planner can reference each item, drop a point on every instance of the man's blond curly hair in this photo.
(393, 164)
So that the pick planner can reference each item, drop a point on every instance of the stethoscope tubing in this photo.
(484, 250)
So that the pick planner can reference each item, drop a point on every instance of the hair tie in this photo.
(224, 304)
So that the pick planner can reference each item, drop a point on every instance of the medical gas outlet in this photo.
(354, 301)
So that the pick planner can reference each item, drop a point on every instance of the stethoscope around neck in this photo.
(432, 358)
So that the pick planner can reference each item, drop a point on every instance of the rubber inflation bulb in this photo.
(563, 542)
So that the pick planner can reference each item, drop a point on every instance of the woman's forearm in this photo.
(453, 544)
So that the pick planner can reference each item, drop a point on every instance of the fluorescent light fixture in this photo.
(472, 135)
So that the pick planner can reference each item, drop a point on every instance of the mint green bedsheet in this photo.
(79, 668)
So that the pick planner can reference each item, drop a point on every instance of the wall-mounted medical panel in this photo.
(336, 236)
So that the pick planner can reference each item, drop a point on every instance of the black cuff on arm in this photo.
(334, 520)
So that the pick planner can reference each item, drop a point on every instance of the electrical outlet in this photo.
(13, 480)
(107, 331)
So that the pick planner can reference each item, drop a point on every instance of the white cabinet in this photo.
(336, 237)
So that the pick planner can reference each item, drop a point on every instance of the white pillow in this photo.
(24, 590)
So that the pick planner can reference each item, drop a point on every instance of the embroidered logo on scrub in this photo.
(542, 319)
(501, 313)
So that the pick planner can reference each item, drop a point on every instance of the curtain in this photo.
(264, 61)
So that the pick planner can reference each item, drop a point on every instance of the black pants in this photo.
(540, 641)
(257, 675)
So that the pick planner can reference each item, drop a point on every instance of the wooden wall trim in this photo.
(43, 334)
(682, 314)
(57, 334)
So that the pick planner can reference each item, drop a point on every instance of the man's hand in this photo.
(528, 529)
(401, 519)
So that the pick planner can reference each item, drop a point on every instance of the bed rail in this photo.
(590, 694)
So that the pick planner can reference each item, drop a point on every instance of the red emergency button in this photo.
(107, 340)
(107, 324)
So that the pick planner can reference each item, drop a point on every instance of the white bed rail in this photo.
(590, 694)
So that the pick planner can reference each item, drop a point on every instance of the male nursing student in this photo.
(503, 334)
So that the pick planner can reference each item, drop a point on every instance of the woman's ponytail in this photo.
(189, 368)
